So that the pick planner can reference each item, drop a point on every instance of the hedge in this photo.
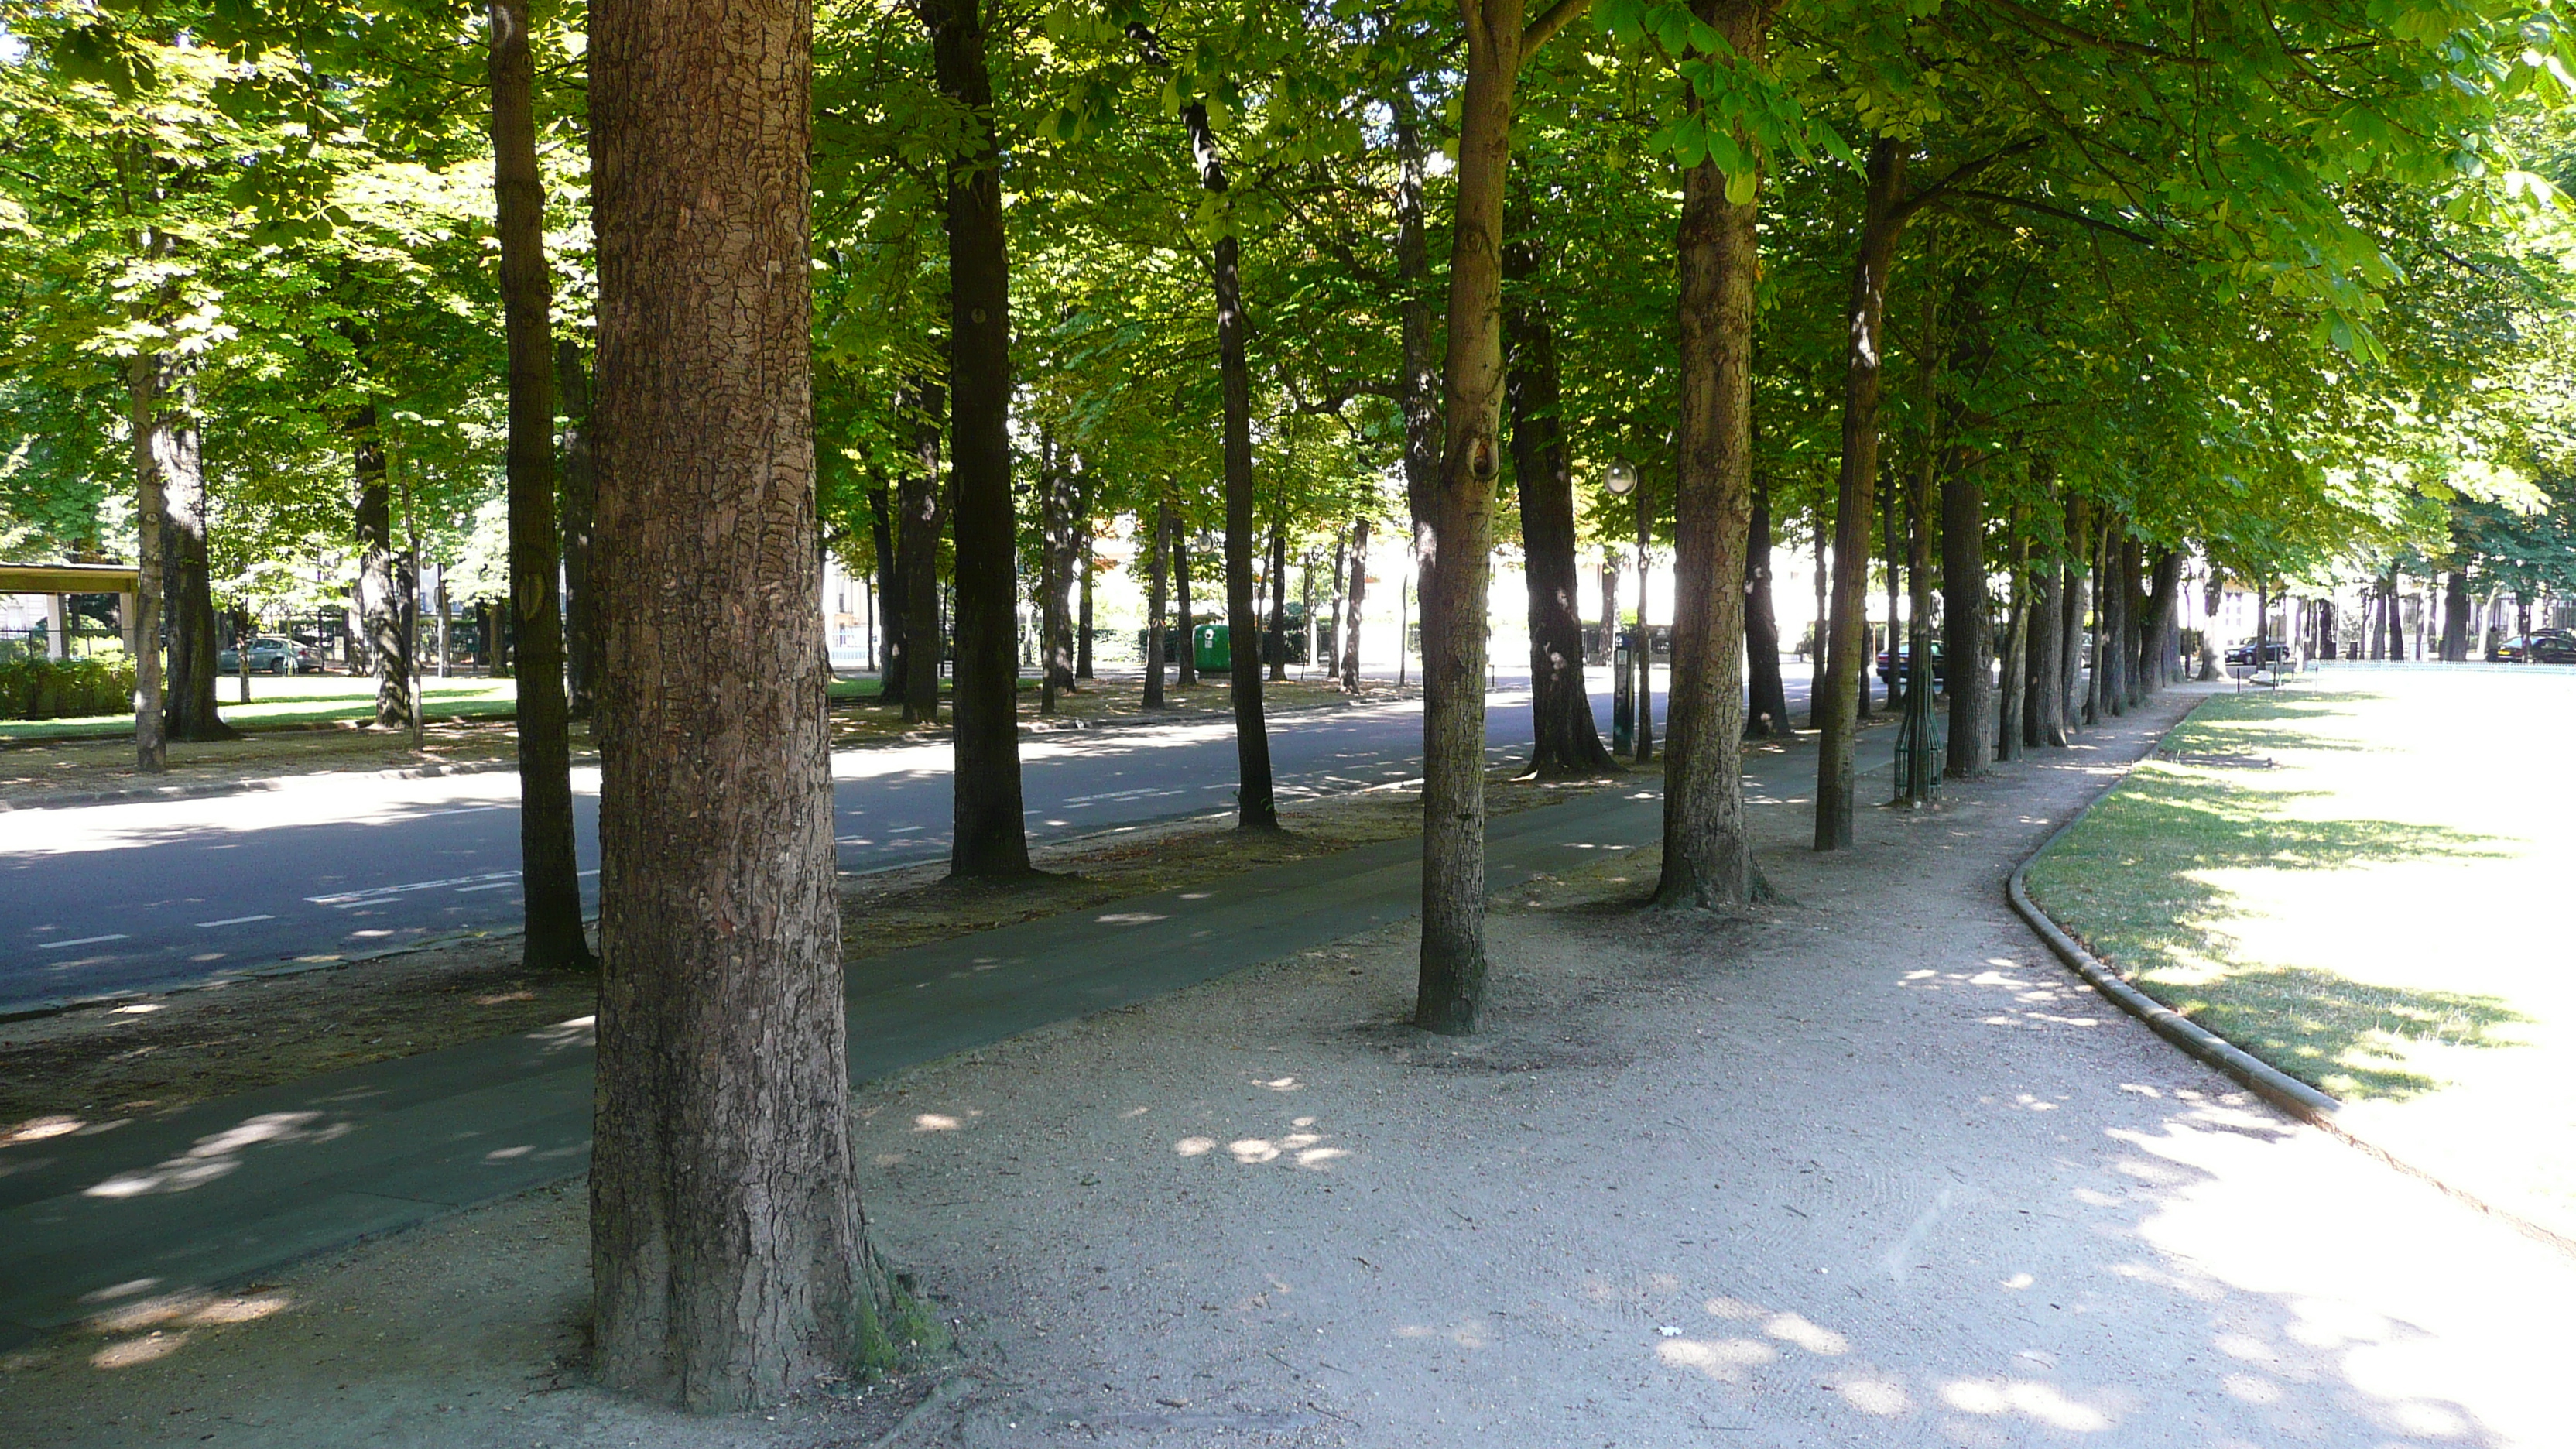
(34, 688)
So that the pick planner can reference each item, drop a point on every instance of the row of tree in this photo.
(2024, 299)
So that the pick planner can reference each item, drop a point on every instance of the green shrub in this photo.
(34, 688)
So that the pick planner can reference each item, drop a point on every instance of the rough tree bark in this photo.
(187, 581)
(2164, 620)
(921, 517)
(1157, 566)
(580, 487)
(1766, 710)
(1274, 629)
(2013, 705)
(1350, 638)
(153, 443)
(2047, 712)
(1453, 524)
(379, 591)
(1186, 671)
(728, 1251)
(990, 840)
(1847, 661)
(1963, 620)
(1566, 742)
(550, 871)
(1708, 845)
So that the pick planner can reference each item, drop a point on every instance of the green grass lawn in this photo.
(2382, 914)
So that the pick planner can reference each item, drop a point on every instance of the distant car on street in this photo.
(1891, 663)
(2274, 651)
(271, 655)
(2540, 646)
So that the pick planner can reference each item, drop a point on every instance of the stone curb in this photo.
(2288, 1093)
(210, 788)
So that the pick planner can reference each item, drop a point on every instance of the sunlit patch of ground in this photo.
(2381, 913)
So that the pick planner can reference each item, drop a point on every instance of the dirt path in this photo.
(1865, 1170)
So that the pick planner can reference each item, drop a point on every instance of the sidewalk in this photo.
(227, 1190)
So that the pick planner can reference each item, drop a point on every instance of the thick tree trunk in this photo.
(1350, 638)
(1708, 844)
(2013, 709)
(154, 444)
(2164, 620)
(1256, 809)
(580, 487)
(1055, 575)
(888, 583)
(2134, 620)
(1817, 649)
(921, 517)
(991, 839)
(1766, 709)
(1186, 672)
(1274, 632)
(1453, 528)
(1566, 742)
(379, 592)
(1157, 566)
(550, 871)
(2455, 616)
(187, 583)
(1847, 663)
(1923, 778)
(1963, 620)
(2048, 658)
(728, 1250)
(2075, 601)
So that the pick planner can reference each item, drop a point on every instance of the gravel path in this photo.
(1866, 1170)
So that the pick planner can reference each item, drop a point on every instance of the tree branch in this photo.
(1958, 173)
(1555, 18)
(2062, 214)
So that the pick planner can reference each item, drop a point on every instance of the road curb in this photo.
(2292, 1096)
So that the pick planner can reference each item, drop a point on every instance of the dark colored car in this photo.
(272, 655)
(2275, 651)
(1891, 664)
(2540, 646)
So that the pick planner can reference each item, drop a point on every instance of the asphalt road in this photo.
(143, 896)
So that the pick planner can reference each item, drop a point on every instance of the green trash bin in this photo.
(1209, 645)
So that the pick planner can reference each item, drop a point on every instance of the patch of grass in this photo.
(294, 702)
(2200, 884)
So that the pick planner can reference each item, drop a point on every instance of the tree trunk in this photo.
(1708, 844)
(991, 838)
(1643, 501)
(1350, 641)
(921, 517)
(550, 871)
(154, 444)
(580, 505)
(1767, 694)
(2135, 624)
(1274, 633)
(1963, 620)
(888, 582)
(728, 1250)
(2047, 726)
(1453, 530)
(2455, 616)
(2164, 620)
(1186, 672)
(1922, 778)
(1847, 662)
(188, 604)
(2074, 603)
(1255, 807)
(1158, 563)
(1816, 644)
(1566, 743)
(2014, 703)
(1055, 575)
(378, 592)
(1082, 573)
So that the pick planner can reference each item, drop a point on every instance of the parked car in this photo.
(2275, 651)
(272, 655)
(2540, 646)
(1891, 664)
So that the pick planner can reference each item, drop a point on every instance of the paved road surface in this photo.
(129, 897)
